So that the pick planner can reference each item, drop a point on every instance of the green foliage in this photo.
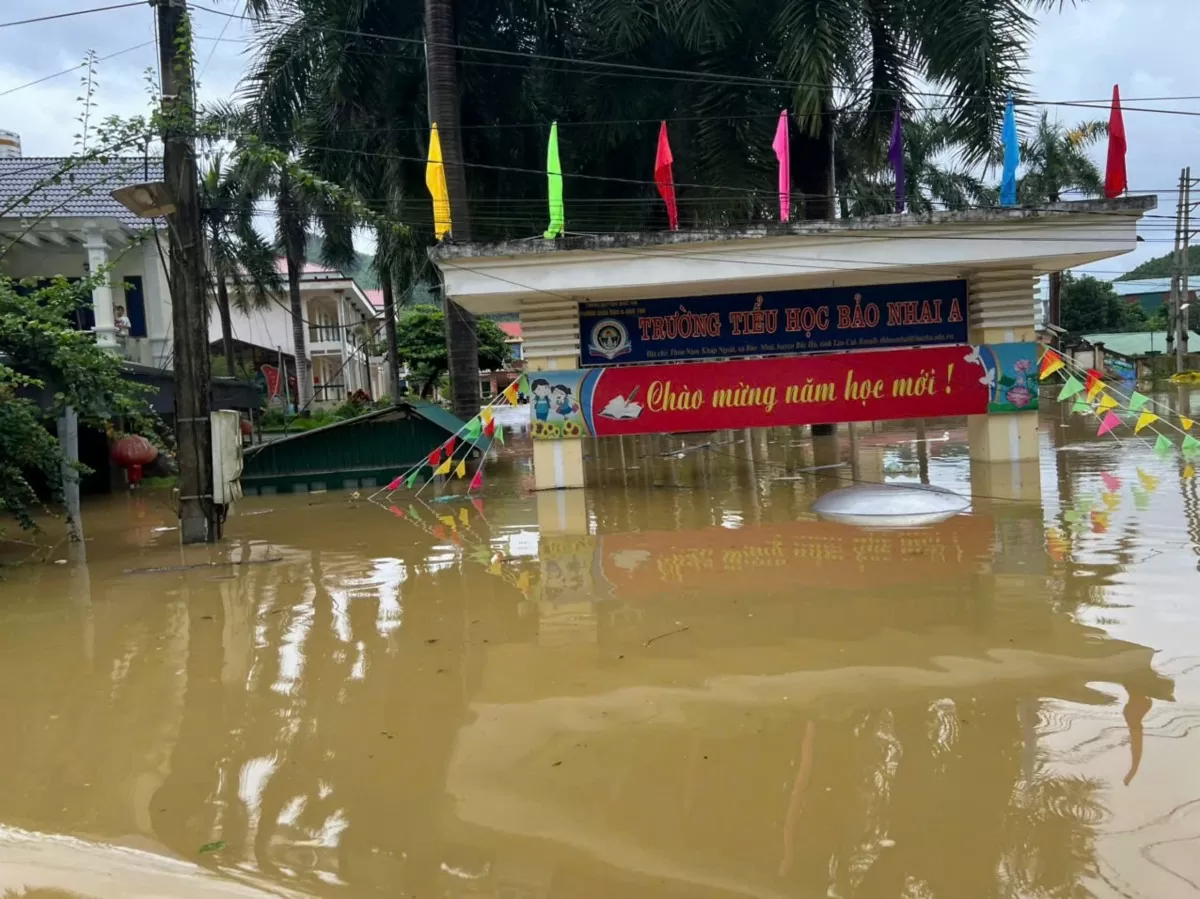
(422, 344)
(1163, 266)
(1055, 160)
(1091, 306)
(40, 355)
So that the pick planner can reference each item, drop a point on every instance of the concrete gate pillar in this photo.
(550, 328)
(1001, 311)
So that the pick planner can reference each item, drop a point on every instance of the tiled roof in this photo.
(512, 330)
(1141, 286)
(81, 193)
(374, 297)
(1134, 343)
(310, 267)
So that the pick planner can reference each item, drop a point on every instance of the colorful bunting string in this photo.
(1051, 362)
(1070, 388)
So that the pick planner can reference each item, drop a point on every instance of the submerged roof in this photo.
(1135, 343)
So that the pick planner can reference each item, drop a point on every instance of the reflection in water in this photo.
(695, 689)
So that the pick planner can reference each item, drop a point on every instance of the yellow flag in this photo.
(463, 517)
(1149, 481)
(510, 393)
(1112, 500)
(1097, 387)
(1146, 418)
(444, 468)
(461, 471)
(435, 180)
(1186, 422)
(486, 414)
(1190, 471)
(448, 521)
(1107, 402)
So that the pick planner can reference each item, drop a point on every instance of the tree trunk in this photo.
(292, 227)
(389, 330)
(1054, 313)
(462, 341)
(226, 325)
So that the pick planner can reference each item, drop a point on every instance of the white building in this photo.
(74, 227)
(339, 330)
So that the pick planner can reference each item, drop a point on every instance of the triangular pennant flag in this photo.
(486, 414)
(1141, 499)
(1081, 406)
(412, 511)
(1099, 522)
(1107, 402)
(398, 512)
(477, 481)
(461, 470)
(512, 393)
(444, 468)
(1186, 423)
(449, 446)
(1190, 444)
(1110, 481)
(395, 485)
(555, 192)
(1070, 387)
(439, 531)
(1146, 418)
(473, 429)
(463, 516)
(436, 456)
(1162, 445)
(1094, 383)
(1107, 423)
(1189, 471)
(499, 432)
(448, 521)
(411, 481)
(1149, 481)
(1137, 401)
(489, 429)
(1111, 500)
(478, 503)
(1051, 362)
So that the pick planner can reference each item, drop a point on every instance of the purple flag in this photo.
(896, 157)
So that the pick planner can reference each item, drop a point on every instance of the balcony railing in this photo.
(329, 393)
(324, 334)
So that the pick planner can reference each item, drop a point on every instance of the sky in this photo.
(1078, 54)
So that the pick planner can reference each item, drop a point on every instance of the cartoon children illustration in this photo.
(541, 399)
(561, 402)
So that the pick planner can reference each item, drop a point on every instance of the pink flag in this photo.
(1110, 421)
(664, 176)
(395, 485)
(1111, 483)
(783, 154)
(477, 481)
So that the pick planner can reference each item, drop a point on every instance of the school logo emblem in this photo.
(609, 339)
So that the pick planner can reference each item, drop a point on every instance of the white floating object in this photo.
(890, 505)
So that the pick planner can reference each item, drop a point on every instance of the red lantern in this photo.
(131, 453)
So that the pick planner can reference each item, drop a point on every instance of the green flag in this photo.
(1190, 444)
(474, 429)
(1162, 445)
(1081, 406)
(412, 478)
(554, 178)
(1137, 401)
(499, 433)
(1072, 386)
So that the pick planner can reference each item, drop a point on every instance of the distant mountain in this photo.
(1160, 266)
(362, 271)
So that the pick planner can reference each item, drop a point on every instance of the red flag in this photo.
(435, 457)
(449, 446)
(489, 428)
(395, 485)
(478, 504)
(399, 513)
(665, 178)
(477, 481)
(1115, 183)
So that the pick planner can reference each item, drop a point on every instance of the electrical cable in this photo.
(45, 78)
(77, 12)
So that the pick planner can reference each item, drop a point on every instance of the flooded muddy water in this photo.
(677, 683)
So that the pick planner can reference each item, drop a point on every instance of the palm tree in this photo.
(238, 256)
(1056, 162)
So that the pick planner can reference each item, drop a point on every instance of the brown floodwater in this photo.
(679, 684)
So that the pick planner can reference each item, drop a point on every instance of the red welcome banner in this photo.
(782, 392)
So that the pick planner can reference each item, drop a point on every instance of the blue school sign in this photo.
(783, 322)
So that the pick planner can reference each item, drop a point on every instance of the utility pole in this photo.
(189, 311)
(1181, 310)
(1176, 269)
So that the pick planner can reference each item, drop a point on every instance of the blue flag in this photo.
(1012, 157)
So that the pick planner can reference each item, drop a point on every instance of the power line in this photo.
(78, 12)
(13, 90)
(694, 76)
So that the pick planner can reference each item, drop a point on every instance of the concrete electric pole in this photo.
(189, 311)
